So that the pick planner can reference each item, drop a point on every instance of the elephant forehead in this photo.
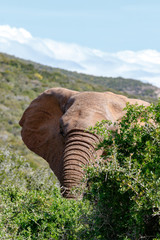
(84, 104)
(88, 100)
(80, 119)
(82, 114)
(89, 97)
(85, 109)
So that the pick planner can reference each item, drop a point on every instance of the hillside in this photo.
(21, 81)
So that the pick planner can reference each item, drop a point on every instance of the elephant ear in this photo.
(40, 123)
(116, 104)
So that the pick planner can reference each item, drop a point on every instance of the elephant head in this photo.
(54, 127)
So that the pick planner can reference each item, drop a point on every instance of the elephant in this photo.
(54, 127)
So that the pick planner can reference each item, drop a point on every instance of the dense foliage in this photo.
(122, 198)
(125, 186)
(31, 206)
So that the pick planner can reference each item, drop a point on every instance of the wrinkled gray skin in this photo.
(54, 124)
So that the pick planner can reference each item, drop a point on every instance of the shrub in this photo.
(124, 187)
(31, 206)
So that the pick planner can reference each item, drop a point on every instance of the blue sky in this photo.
(109, 25)
(102, 28)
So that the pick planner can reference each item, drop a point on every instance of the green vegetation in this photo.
(124, 186)
(122, 198)
(31, 206)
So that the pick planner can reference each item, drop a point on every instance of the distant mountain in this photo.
(143, 65)
(21, 81)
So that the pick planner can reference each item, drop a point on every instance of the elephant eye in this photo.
(61, 131)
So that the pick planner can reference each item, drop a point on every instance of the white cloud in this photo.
(143, 65)
(20, 35)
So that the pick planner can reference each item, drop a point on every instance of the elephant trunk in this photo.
(79, 149)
